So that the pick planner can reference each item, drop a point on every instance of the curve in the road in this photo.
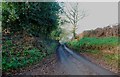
(78, 65)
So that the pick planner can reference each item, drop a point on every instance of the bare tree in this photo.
(74, 15)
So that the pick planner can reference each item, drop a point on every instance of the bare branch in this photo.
(70, 19)
(74, 15)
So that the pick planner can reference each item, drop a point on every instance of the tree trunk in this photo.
(74, 32)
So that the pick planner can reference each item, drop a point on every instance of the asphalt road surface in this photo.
(69, 63)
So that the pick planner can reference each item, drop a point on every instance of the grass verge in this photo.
(103, 50)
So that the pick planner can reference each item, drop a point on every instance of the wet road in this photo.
(75, 64)
(69, 63)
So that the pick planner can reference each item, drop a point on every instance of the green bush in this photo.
(13, 59)
(21, 59)
(51, 48)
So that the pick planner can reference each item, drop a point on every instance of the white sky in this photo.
(88, 0)
(100, 14)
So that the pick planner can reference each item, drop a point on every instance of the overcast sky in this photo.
(88, 0)
(100, 14)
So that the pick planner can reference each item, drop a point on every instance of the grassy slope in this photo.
(17, 54)
(95, 47)
(94, 43)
